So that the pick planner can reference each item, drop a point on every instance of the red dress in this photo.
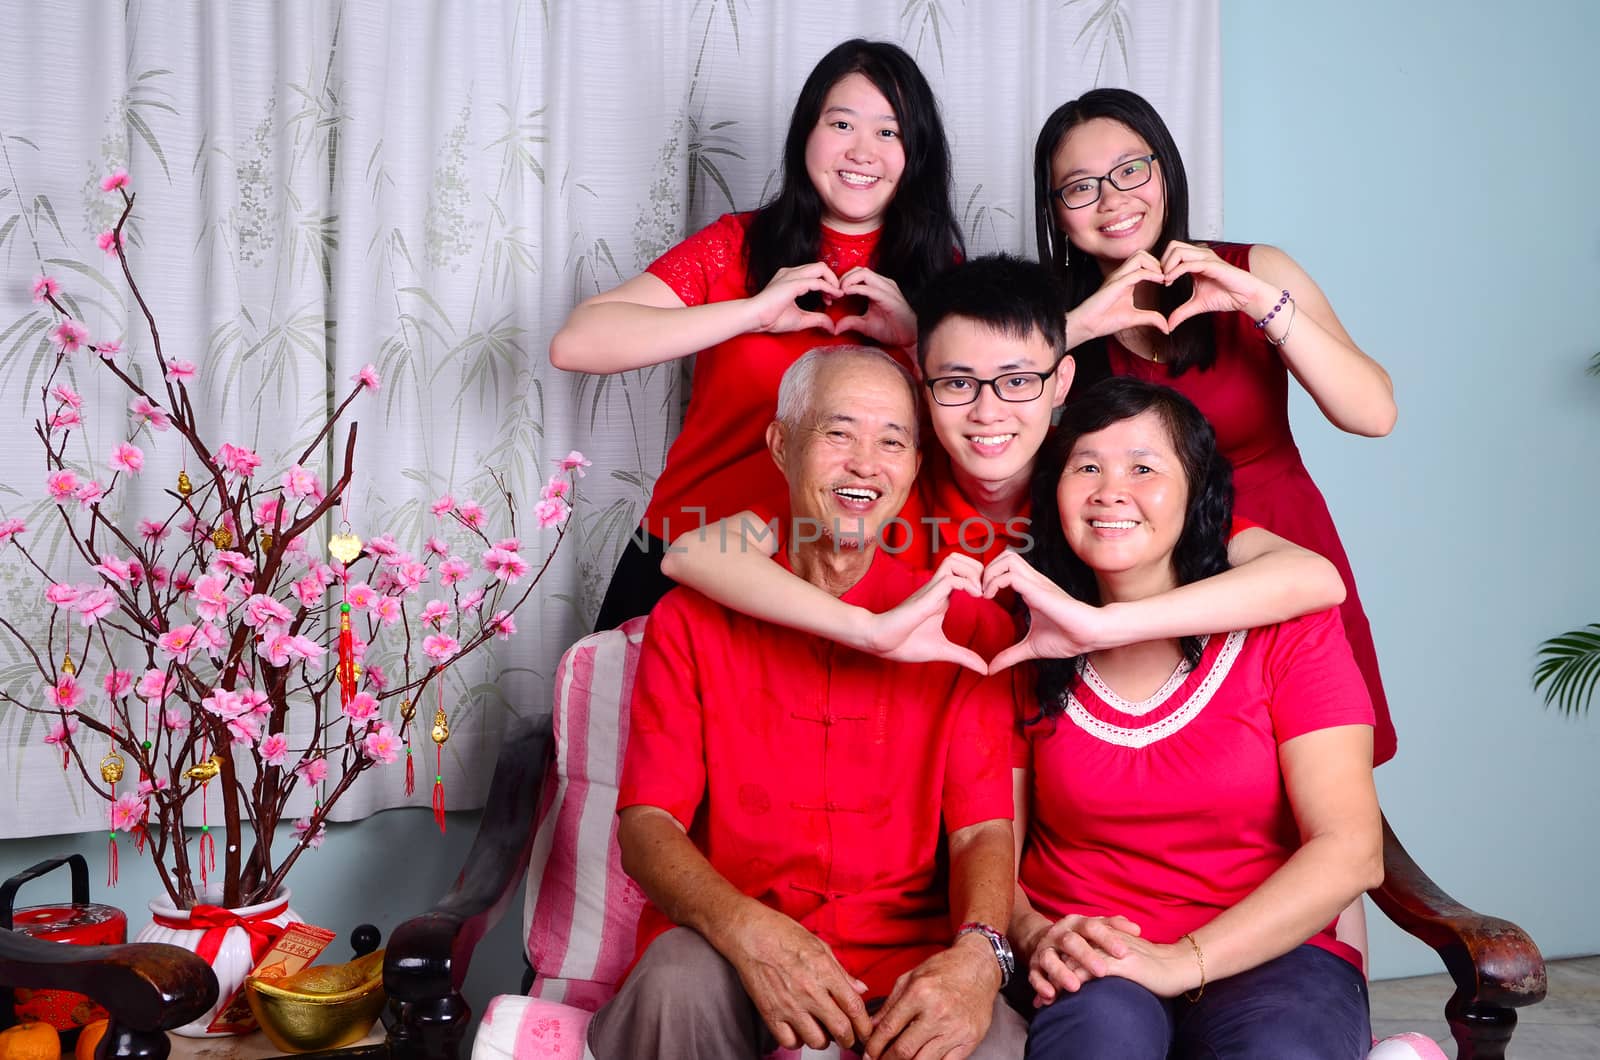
(1245, 395)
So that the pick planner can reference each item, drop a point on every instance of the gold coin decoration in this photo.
(344, 546)
(441, 727)
(222, 537)
(185, 487)
(112, 767)
(407, 710)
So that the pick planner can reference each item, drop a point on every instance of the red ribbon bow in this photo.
(216, 921)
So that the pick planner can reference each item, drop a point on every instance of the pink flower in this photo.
(211, 599)
(10, 528)
(308, 590)
(182, 583)
(62, 731)
(45, 287)
(178, 643)
(108, 241)
(245, 729)
(436, 547)
(236, 562)
(223, 704)
(65, 420)
(61, 484)
(256, 702)
(439, 646)
(67, 396)
(388, 609)
(156, 685)
(128, 813)
(303, 831)
(381, 744)
(507, 566)
(180, 371)
(175, 719)
(470, 513)
(61, 594)
(383, 545)
(265, 613)
(89, 494)
(551, 512)
(158, 576)
(116, 180)
(66, 693)
(145, 412)
(94, 605)
(275, 749)
(312, 770)
(69, 335)
(237, 460)
(152, 531)
(444, 505)
(367, 377)
(510, 544)
(556, 488)
(409, 576)
(212, 639)
(375, 677)
(435, 612)
(108, 350)
(284, 647)
(504, 624)
(118, 683)
(360, 595)
(127, 457)
(148, 787)
(114, 569)
(574, 462)
(470, 601)
(299, 482)
(452, 571)
(361, 709)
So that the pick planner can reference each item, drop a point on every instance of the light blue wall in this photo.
(1433, 165)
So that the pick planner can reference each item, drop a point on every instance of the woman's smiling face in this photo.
(855, 155)
(1120, 223)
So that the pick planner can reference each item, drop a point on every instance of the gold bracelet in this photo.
(1201, 957)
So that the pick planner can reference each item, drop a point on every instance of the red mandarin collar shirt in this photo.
(819, 780)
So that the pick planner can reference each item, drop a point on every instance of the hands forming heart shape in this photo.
(795, 299)
(1123, 299)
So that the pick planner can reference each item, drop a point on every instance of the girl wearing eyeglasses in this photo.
(863, 218)
(1224, 323)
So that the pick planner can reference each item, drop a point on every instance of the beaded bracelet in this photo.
(1285, 300)
(1287, 327)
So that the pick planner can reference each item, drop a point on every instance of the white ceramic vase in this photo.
(234, 959)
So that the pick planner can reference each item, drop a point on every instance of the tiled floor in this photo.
(1564, 1026)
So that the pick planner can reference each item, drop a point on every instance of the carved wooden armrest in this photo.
(428, 955)
(1497, 968)
(148, 988)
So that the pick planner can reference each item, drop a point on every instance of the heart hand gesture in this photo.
(1112, 308)
(1218, 286)
(888, 317)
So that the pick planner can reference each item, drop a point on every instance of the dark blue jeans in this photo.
(1306, 1005)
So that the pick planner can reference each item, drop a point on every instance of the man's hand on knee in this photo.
(941, 1008)
(799, 987)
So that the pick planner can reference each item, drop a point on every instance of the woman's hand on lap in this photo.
(1076, 949)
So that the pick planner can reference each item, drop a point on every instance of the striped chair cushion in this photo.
(582, 911)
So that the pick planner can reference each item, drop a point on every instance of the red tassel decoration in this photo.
(438, 793)
(411, 772)
(111, 859)
(347, 657)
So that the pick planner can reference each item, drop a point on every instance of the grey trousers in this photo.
(684, 1001)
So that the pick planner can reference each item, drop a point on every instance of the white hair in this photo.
(797, 390)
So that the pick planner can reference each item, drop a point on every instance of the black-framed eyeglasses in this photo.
(1012, 386)
(1085, 191)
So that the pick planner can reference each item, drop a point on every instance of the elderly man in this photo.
(829, 831)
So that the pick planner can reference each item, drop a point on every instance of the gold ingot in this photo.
(407, 710)
(222, 537)
(204, 771)
(355, 669)
(266, 543)
(344, 547)
(185, 487)
(66, 664)
(111, 767)
(441, 726)
(321, 1007)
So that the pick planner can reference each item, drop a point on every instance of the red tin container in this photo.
(82, 923)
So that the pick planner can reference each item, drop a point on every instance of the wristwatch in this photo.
(1002, 948)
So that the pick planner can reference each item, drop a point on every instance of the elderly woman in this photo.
(1194, 812)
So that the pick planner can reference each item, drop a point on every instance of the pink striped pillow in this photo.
(581, 910)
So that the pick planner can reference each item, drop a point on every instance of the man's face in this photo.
(850, 463)
(991, 439)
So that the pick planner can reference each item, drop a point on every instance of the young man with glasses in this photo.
(993, 335)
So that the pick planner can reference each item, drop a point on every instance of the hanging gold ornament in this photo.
(204, 771)
(66, 664)
(222, 537)
(185, 487)
(344, 546)
(407, 710)
(111, 767)
(441, 727)
(356, 668)
(266, 543)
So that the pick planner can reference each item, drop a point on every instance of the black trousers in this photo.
(637, 583)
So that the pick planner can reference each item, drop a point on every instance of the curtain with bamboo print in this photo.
(430, 187)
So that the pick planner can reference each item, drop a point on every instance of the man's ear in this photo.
(1063, 377)
(777, 444)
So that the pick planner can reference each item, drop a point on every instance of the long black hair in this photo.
(920, 235)
(1202, 547)
(1193, 344)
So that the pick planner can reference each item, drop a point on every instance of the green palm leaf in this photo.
(1568, 669)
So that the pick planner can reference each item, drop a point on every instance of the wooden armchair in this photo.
(1496, 966)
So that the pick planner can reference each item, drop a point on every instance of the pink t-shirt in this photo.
(1171, 810)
